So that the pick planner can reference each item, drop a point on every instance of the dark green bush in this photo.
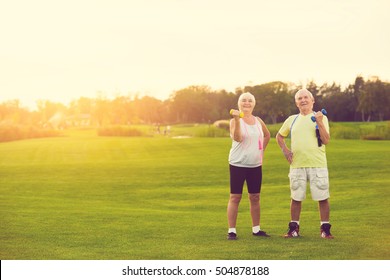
(12, 132)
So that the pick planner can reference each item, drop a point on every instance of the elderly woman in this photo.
(250, 137)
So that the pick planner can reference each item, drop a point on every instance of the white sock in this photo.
(255, 229)
(324, 222)
(233, 229)
(295, 222)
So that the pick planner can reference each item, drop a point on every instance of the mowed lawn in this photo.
(103, 198)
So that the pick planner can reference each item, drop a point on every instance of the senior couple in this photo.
(309, 132)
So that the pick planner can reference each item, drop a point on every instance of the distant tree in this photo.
(101, 112)
(386, 87)
(83, 105)
(326, 95)
(381, 97)
(357, 92)
(191, 104)
(273, 100)
(150, 110)
(10, 111)
(338, 106)
(119, 110)
(223, 103)
(363, 100)
(374, 100)
(47, 109)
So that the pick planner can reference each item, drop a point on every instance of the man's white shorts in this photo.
(318, 179)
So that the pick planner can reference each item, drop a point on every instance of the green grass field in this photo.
(102, 198)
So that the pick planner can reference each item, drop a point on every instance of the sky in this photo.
(62, 50)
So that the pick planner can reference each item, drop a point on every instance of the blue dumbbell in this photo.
(323, 111)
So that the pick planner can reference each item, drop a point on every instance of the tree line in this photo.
(364, 100)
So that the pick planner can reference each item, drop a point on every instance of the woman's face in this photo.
(246, 103)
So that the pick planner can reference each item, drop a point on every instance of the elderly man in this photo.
(307, 159)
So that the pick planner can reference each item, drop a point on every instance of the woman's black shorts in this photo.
(252, 176)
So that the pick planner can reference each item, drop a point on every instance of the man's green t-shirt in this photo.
(304, 145)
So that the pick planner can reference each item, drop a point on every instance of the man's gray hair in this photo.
(304, 90)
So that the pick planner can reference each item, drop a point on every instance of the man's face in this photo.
(304, 102)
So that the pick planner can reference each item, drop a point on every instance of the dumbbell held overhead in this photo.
(241, 113)
(323, 111)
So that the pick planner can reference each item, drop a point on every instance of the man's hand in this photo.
(319, 116)
(288, 155)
